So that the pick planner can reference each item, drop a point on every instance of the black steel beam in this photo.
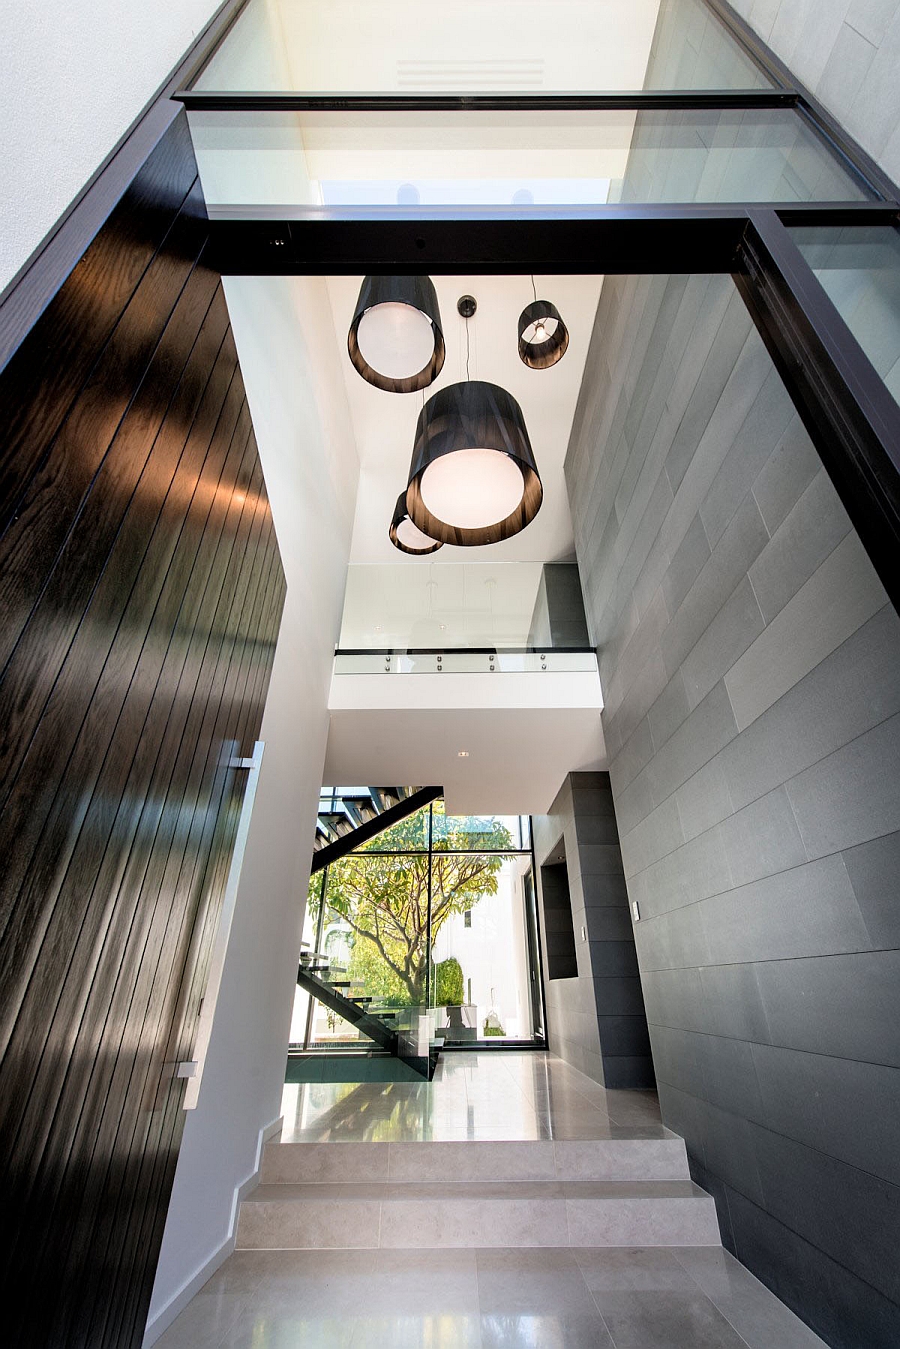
(624, 240)
(367, 1023)
(327, 856)
(645, 100)
(851, 417)
(621, 239)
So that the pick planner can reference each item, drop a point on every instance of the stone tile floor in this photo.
(484, 1298)
(614, 1298)
(474, 1096)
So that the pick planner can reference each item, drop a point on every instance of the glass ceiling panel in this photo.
(477, 46)
(859, 268)
(289, 164)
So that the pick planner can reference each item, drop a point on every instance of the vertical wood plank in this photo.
(141, 579)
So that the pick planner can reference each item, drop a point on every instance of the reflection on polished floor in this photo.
(659, 1298)
(472, 1286)
(476, 1096)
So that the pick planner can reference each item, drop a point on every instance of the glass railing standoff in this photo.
(474, 660)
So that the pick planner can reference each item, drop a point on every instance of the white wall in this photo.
(493, 952)
(76, 74)
(290, 365)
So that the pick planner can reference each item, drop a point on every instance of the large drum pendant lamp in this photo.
(404, 534)
(473, 479)
(395, 339)
(543, 337)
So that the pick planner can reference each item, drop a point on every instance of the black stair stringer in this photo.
(348, 1009)
(354, 838)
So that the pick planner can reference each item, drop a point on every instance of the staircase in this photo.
(597, 1192)
(350, 816)
(395, 1031)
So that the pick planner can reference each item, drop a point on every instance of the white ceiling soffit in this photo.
(516, 763)
(384, 423)
(497, 743)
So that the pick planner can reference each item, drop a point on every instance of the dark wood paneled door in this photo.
(141, 592)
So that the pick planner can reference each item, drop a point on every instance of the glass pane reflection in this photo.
(859, 267)
(401, 46)
(293, 164)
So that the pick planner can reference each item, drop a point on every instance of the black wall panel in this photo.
(141, 591)
(595, 1011)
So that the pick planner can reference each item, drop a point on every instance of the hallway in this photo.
(491, 1095)
(492, 1125)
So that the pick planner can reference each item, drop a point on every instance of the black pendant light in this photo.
(395, 339)
(543, 337)
(406, 536)
(473, 478)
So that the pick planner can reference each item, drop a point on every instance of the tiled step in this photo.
(476, 1214)
(593, 1159)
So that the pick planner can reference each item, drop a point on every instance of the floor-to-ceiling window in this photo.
(431, 916)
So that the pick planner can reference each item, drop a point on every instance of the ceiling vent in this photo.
(487, 75)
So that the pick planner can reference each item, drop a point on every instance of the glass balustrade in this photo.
(431, 611)
(465, 662)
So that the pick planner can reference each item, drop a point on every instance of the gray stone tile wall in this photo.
(751, 668)
(595, 1019)
(558, 618)
(847, 53)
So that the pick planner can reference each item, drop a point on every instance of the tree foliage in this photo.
(384, 899)
(449, 984)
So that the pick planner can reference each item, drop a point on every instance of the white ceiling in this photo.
(384, 423)
(522, 732)
(518, 759)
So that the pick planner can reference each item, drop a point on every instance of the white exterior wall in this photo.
(295, 389)
(76, 74)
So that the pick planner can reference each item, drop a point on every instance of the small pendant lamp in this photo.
(543, 337)
(395, 340)
(404, 534)
(473, 478)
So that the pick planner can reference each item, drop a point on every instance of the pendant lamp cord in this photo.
(467, 348)
(534, 288)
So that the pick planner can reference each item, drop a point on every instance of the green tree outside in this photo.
(450, 989)
(384, 900)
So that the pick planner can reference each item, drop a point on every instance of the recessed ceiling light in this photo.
(462, 754)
